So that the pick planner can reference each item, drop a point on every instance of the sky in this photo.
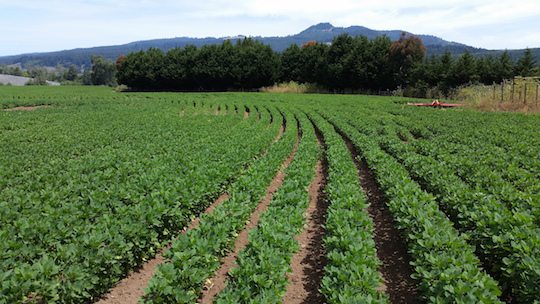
(39, 26)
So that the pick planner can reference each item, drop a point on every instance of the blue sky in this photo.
(38, 26)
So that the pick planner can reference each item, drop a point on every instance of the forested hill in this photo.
(323, 32)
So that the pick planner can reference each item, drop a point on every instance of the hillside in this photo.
(322, 32)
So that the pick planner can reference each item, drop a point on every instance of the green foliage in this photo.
(246, 65)
(96, 183)
(102, 71)
(351, 275)
(526, 64)
(445, 264)
(195, 256)
(262, 266)
(94, 192)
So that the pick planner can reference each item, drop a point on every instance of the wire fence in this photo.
(518, 90)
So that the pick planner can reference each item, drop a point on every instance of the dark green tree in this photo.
(525, 65)
(378, 72)
(291, 64)
(343, 59)
(464, 70)
(504, 67)
(103, 71)
(486, 67)
(71, 73)
(315, 65)
(256, 64)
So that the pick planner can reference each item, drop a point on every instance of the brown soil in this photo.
(131, 288)
(391, 247)
(217, 283)
(246, 114)
(308, 263)
(29, 108)
(280, 133)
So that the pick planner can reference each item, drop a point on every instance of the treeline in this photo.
(101, 72)
(347, 64)
(442, 74)
(248, 64)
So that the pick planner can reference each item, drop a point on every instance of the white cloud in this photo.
(33, 25)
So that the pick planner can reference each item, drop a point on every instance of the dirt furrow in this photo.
(218, 282)
(131, 288)
(308, 263)
(391, 246)
(281, 130)
(280, 133)
(27, 108)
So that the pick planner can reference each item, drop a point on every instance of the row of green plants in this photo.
(497, 158)
(445, 265)
(504, 168)
(262, 266)
(98, 190)
(506, 239)
(195, 256)
(487, 178)
(488, 170)
(497, 137)
(351, 274)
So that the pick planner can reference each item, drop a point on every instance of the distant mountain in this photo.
(322, 32)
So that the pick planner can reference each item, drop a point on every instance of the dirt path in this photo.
(308, 263)
(280, 133)
(131, 288)
(27, 108)
(391, 246)
(217, 283)
(281, 130)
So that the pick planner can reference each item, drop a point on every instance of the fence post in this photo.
(536, 99)
(493, 85)
(502, 91)
(513, 88)
(525, 94)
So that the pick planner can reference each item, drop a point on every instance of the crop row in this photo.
(74, 223)
(262, 266)
(484, 177)
(507, 240)
(445, 265)
(351, 274)
(503, 169)
(509, 137)
(461, 160)
(195, 256)
(486, 169)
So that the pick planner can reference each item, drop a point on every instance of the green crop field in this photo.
(416, 205)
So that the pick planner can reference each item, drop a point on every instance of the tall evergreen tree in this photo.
(526, 64)
(464, 70)
(504, 67)
(291, 64)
